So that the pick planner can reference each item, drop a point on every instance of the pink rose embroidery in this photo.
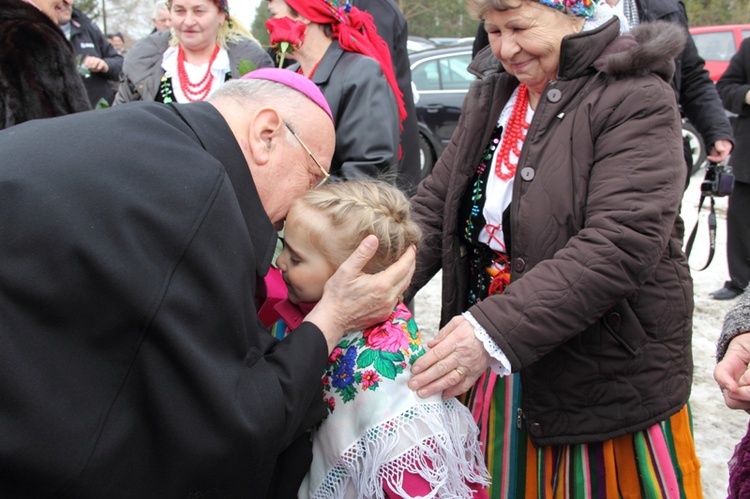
(388, 337)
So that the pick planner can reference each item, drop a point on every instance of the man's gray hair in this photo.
(265, 93)
(159, 5)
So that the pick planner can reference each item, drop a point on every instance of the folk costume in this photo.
(380, 439)
(356, 76)
(156, 71)
(736, 322)
(566, 260)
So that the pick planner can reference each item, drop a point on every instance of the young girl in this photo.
(380, 439)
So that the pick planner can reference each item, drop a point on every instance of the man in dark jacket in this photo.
(695, 91)
(38, 76)
(133, 361)
(734, 88)
(101, 62)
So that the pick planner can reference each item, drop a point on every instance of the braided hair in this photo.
(356, 209)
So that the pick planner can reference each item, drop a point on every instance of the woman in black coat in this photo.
(38, 75)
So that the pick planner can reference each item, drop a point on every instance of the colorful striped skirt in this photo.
(658, 462)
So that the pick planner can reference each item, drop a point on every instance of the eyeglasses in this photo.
(326, 175)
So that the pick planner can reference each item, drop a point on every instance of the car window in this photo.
(745, 33)
(426, 76)
(443, 73)
(453, 73)
(715, 46)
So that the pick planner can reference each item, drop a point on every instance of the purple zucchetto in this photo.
(293, 80)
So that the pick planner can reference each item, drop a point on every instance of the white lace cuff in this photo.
(499, 363)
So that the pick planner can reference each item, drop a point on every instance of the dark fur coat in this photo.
(38, 75)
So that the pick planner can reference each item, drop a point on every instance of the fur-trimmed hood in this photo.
(647, 48)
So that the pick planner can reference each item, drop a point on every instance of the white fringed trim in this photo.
(444, 435)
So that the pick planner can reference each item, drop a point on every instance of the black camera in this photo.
(718, 181)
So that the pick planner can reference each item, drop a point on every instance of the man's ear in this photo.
(264, 134)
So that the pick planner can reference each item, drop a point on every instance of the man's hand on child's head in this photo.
(353, 300)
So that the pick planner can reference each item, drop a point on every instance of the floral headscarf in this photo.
(356, 32)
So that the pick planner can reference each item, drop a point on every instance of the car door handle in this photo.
(434, 108)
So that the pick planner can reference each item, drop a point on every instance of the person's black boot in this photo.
(727, 292)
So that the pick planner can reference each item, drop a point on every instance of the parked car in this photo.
(440, 82)
(417, 43)
(717, 44)
(446, 41)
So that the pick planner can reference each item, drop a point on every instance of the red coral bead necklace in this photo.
(195, 91)
(515, 132)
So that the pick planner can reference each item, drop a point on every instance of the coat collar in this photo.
(215, 136)
(327, 64)
(579, 51)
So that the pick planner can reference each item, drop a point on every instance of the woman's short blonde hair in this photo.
(355, 209)
(231, 31)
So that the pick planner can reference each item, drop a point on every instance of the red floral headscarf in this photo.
(356, 32)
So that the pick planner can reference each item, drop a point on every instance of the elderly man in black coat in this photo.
(133, 362)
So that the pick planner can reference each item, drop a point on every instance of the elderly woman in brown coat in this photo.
(567, 300)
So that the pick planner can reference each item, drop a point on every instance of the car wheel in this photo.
(697, 148)
(426, 155)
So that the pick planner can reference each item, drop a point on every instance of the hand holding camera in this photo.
(718, 181)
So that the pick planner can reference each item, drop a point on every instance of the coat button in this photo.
(535, 429)
(554, 95)
(519, 265)
(527, 173)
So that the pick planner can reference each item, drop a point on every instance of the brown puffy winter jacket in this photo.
(598, 316)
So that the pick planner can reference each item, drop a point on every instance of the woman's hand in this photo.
(454, 362)
(733, 373)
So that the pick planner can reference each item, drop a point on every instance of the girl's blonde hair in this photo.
(355, 209)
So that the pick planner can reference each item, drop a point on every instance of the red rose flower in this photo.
(286, 35)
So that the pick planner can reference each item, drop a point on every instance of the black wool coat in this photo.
(133, 362)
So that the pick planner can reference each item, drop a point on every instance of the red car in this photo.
(717, 44)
